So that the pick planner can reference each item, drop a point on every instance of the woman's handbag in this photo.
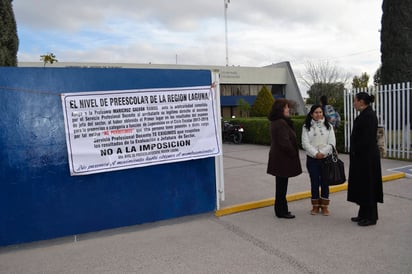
(333, 169)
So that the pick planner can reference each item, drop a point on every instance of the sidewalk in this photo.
(250, 241)
(247, 186)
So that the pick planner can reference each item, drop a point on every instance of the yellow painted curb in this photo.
(292, 197)
(394, 176)
(245, 206)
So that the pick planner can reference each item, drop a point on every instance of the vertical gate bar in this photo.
(388, 114)
(347, 119)
(382, 115)
(403, 132)
(408, 124)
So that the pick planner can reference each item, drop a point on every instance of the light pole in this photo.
(226, 3)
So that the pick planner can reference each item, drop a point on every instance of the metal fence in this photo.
(393, 108)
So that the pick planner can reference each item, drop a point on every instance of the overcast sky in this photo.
(343, 32)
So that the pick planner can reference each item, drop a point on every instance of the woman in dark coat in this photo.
(365, 175)
(284, 159)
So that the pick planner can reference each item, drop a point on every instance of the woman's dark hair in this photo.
(324, 100)
(277, 111)
(308, 119)
(368, 99)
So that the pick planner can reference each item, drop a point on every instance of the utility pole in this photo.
(226, 3)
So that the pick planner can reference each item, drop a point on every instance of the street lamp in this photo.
(226, 3)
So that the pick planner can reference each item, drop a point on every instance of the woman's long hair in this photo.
(277, 111)
(368, 99)
(309, 118)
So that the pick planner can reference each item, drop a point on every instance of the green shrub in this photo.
(263, 103)
(257, 131)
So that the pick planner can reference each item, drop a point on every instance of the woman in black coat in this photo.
(365, 176)
(284, 159)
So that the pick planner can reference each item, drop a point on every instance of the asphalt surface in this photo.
(249, 241)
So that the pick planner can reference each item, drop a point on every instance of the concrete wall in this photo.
(40, 200)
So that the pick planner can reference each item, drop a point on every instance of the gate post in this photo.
(381, 141)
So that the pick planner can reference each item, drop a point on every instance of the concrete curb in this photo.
(292, 197)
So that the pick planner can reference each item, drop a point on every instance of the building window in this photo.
(278, 91)
(250, 90)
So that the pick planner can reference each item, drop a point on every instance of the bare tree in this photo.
(324, 78)
(323, 72)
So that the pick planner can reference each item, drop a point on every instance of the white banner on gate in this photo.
(114, 130)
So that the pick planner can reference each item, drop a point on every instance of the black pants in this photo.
(369, 212)
(281, 205)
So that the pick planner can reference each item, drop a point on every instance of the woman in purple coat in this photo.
(365, 175)
(284, 159)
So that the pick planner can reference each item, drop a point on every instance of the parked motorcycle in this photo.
(232, 133)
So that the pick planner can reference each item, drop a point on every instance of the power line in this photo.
(336, 57)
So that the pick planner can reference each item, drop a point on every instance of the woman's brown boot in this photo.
(324, 206)
(316, 206)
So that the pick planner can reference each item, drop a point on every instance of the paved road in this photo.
(251, 241)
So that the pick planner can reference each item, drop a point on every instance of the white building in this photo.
(235, 82)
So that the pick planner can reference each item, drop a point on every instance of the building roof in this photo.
(274, 74)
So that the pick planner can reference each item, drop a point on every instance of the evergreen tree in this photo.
(360, 81)
(333, 91)
(9, 42)
(396, 41)
(263, 103)
(377, 77)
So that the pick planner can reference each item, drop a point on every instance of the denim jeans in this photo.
(314, 168)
